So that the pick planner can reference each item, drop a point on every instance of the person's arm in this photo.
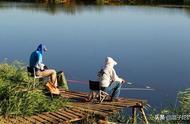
(116, 78)
(40, 64)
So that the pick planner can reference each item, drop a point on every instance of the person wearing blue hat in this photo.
(40, 68)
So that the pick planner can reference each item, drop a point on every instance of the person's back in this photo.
(105, 79)
(36, 58)
(33, 59)
(109, 75)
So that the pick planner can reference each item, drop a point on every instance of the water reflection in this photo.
(150, 43)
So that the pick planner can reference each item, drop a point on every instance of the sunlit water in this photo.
(151, 44)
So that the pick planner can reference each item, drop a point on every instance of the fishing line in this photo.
(129, 83)
(148, 89)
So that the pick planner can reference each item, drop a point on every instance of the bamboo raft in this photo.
(77, 109)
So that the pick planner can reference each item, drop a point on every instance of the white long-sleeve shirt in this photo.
(109, 76)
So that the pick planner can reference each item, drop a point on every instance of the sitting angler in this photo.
(42, 70)
(109, 80)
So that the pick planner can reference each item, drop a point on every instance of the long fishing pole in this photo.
(85, 82)
(144, 89)
(129, 83)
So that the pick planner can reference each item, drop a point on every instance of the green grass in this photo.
(184, 101)
(182, 109)
(19, 96)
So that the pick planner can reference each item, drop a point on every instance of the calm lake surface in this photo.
(150, 44)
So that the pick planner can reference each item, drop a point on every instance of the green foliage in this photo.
(183, 97)
(121, 117)
(184, 101)
(19, 96)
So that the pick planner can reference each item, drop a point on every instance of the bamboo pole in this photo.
(145, 121)
(134, 115)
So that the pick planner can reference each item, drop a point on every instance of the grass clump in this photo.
(174, 114)
(184, 101)
(19, 96)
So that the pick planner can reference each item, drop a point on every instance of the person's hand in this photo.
(45, 67)
(41, 66)
(123, 81)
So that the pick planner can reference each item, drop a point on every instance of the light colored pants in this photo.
(47, 73)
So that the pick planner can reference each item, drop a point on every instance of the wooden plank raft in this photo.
(65, 115)
(105, 109)
(77, 109)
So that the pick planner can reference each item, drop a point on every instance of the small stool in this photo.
(96, 92)
(32, 73)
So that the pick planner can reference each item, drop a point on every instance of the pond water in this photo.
(150, 44)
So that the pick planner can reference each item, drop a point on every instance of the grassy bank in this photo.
(19, 96)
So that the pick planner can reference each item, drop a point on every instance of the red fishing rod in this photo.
(129, 83)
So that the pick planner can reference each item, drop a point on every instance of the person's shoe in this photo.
(52, 88)
(55, 91)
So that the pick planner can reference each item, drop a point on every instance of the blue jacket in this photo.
(36, 57)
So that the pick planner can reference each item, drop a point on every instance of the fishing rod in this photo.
(84, 82)
(129, 83)
(142, 89)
